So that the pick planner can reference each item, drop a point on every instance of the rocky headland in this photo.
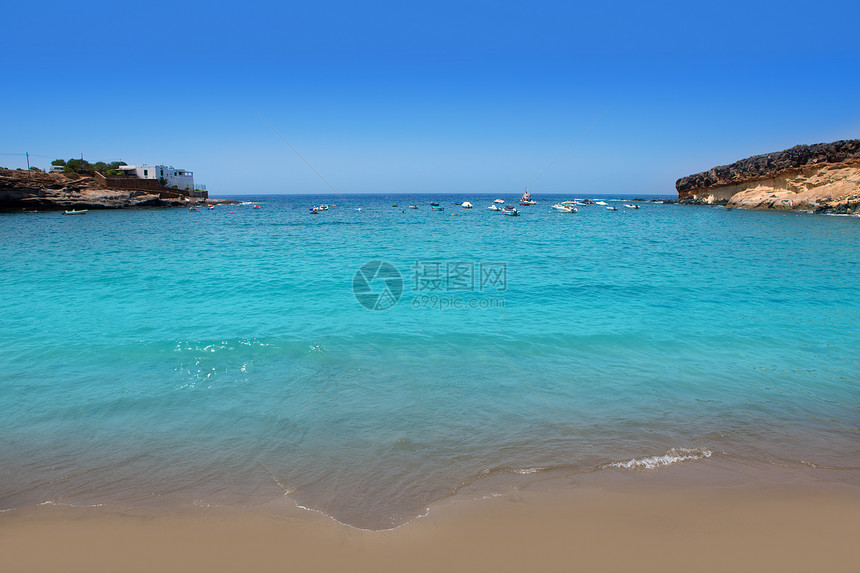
(824, 177)
(22, 190)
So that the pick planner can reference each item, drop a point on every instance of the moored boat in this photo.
(499, 201)
(565, 207)
(526, 199)
(510, 211)
(493, 207)
(74, 212)
(466, 205)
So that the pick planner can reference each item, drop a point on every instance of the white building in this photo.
(180, 178)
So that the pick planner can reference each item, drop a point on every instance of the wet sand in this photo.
(616, 524)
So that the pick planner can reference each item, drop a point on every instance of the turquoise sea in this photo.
(166, 358)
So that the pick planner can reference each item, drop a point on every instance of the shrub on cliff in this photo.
(84, 167)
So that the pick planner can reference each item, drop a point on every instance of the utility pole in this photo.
(28, 164)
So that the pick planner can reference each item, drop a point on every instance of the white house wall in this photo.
(163, 171)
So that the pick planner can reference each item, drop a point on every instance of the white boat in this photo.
(493, 207)
(73, 212)
(499, 201)
(526, 199)
(601, 203)
(510, 211)
(413, 206)
(631, 206)
(611, 208)
(565, 207)
(466, 205)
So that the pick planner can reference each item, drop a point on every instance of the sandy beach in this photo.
(618, 524)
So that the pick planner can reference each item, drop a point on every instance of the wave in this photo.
(673, 456)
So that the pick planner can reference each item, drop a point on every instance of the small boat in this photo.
(194, 209)
(434, 204)
(565, 207)
(256, 206)
(510, 211)
(314, 211)
(323, 208)
(413, 206)
(601, 203)
(74, 212)
(211, 207)
(499, 201)
(493, 207)
(437, 207)
(395, 205)
(359, 209)
(466, 205)
(526, 199)
(611, 208)
(631, 206)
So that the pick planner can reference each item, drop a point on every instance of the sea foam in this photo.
(673, 456)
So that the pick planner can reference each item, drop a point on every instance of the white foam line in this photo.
(673, 456)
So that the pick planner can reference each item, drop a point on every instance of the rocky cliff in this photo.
(37, 191)
(821, 177)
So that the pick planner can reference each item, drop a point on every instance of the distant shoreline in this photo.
(22, 191)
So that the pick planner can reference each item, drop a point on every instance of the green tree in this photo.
(60, 162)
(81, 166)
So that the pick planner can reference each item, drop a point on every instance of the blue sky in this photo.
(456, 97)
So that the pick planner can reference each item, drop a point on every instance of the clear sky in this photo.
(426, 96)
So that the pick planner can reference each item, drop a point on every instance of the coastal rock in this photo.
(37, 191)
(810, 177)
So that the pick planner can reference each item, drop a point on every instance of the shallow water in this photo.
(222, 357)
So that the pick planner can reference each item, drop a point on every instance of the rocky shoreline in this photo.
(22, 190)
(822, 178)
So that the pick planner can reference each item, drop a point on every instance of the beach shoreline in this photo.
(671, 520)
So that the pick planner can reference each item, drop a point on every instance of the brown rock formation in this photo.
(38, 191)
(822, 177)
